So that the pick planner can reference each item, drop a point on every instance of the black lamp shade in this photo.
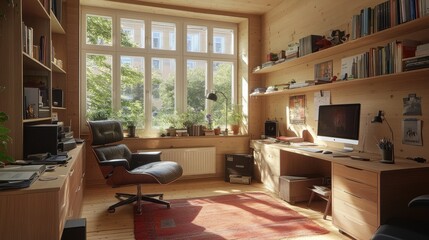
(212, 96)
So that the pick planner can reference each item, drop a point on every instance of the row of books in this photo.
(36, 50)
(57, 9)
(378, 60)
(386, 15)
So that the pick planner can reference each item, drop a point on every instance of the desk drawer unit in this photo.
(355, 200)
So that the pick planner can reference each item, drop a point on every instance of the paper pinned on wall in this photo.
(321, 98)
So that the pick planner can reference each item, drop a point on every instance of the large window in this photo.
(149, 69)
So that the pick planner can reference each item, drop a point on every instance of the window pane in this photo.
(163, 36)
(98, 86)
(163, 88)
(223, 41)
(132, 33)
(222, 81)
(196, 77)
(132, 89)
(196, 39)
(98, 30)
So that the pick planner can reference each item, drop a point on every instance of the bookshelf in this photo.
(30, 31)
(405, 29)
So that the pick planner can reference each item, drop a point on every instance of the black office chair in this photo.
(120, 167)
(405, 229)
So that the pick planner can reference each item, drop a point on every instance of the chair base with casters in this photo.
(138, 198)
(120, 167)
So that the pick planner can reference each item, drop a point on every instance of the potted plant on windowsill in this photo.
(131, 119)
(236, 117)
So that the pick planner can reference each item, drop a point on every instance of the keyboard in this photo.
(313, 150)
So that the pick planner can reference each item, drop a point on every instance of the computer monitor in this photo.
(339, 123)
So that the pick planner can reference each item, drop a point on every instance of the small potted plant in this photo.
(235, 119)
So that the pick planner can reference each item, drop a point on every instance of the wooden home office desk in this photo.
(40, 211)
(365, 194)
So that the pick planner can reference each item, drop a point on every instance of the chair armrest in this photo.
(142, 158)
(420, 201)
(115, 163)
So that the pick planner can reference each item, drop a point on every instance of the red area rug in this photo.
(240, 216)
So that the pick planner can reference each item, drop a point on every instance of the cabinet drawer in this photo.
(357, 189)
(359, 213)
(354, 227)
(356, 174)
(357, 202)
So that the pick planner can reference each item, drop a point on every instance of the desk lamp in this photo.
(212, 96)
(385, 144)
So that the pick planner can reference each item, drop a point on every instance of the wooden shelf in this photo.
(399, 30)
(57, 69)
(34, 8)
(37, 120)
(347, 83)
(56, 25)
(59, 108)
(31, 63)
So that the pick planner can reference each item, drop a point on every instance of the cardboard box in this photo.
(296, 189)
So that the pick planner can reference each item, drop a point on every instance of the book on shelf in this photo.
(422, 49)
(308, 45)
(414, 63)
(385, 15)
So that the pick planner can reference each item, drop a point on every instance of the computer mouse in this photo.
(326, 152)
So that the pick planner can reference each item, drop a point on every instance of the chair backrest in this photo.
(105, 132)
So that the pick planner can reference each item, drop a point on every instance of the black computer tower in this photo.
(238, 164)
(41, 138)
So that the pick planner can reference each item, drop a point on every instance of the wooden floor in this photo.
(119, 225)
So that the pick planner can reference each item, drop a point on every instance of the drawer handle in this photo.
(354, 168)
(354, 195)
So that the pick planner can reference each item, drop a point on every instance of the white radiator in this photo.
(194, 161)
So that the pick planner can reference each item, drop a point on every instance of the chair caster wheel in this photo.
(111, 210)
(168, 205)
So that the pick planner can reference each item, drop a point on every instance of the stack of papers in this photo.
(14, 176)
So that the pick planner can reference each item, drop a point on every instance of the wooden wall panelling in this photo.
(72, 96)
(249, 45)
(379, 93)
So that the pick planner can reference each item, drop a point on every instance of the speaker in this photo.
(74, 229)
(57, 98)
(271, 129)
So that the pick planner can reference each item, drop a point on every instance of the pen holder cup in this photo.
(386, 154)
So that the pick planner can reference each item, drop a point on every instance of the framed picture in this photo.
(297, 109)
(412, 131)
(323, 71)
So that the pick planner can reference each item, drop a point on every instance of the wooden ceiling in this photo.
(211, 9)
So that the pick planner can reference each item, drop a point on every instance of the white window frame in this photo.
(180, 54)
